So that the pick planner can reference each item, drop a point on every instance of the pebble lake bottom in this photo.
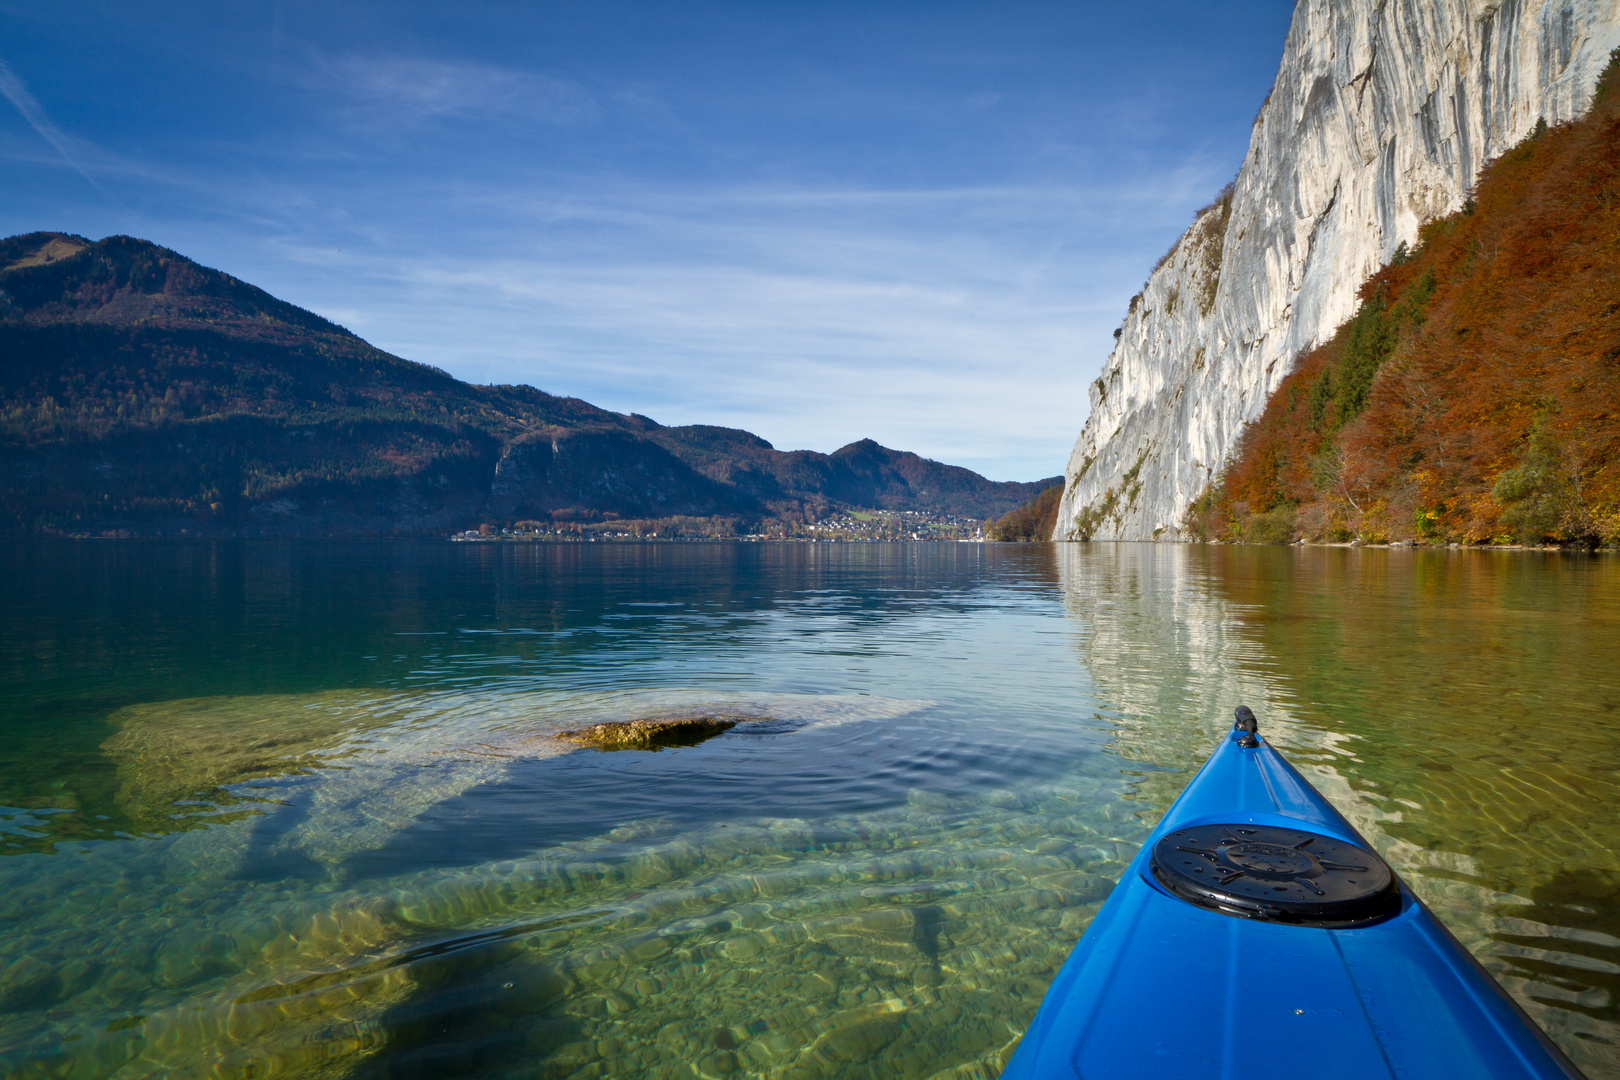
(298, 810)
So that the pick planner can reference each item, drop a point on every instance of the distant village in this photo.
(843, 526)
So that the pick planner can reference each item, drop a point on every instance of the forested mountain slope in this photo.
(1380, 118)
(1475, 395)
(142, 393)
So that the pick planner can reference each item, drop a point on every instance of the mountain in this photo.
(1381, 116)
(1475, 395)
(1034, 521)
(141, 393)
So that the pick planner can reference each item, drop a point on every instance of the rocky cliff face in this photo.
(1381, 116)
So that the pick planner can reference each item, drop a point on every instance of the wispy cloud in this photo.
(16, 92)
(960, 323)
(412, 89)
(818, 225)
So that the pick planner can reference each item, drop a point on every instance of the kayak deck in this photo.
(1159, 987)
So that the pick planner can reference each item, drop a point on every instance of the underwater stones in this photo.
(571, 1056)
(857, 1036)
(531, 987)
(893, 923)
(1075, 888)
(117, 984)
(1043, 900)
(817, 984)
(640, 829)
(721, 1064)
(194, 959)
(169, 751)
(932, 801)
(650, 949)
(27, 982)
(595, 970)
(1071, 826)
(1075, 920)
(668, 860)
(987, 1069)
(722, 849)
(831, 839)
(903, 895)
(741, 948)
(781, 1042)
(78, 974)
(652, 733)
(1007, 799)
(666, 1071)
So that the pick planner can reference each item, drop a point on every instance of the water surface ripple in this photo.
(300, 809)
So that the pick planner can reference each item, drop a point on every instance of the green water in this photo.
(299, 810)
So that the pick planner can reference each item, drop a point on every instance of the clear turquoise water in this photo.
(297, 810)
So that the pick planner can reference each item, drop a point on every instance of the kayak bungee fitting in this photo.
(1256, 934)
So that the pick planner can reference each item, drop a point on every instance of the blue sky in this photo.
(914, 222)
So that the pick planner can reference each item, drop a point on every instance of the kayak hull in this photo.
(1159, 987)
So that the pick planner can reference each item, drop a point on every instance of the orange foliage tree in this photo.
(1475, 395)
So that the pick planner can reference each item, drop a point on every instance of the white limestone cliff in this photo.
(1382, 114)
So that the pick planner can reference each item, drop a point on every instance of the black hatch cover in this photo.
(1276, 875)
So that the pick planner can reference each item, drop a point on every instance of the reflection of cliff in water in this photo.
(1429, 696)
(1480, 695)
(1169, 652)
(1480, 687)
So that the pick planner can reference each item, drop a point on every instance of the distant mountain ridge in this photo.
(143, 393)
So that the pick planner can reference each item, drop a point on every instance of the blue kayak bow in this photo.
(1256, 934)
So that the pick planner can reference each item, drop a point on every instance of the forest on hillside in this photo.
(1033, 521)
(1475, 395)
(144, 394)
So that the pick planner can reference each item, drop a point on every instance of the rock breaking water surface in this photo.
(302, 810)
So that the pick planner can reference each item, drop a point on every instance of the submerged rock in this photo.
(170, 752)
(653, 733)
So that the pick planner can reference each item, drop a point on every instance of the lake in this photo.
(301, 810)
